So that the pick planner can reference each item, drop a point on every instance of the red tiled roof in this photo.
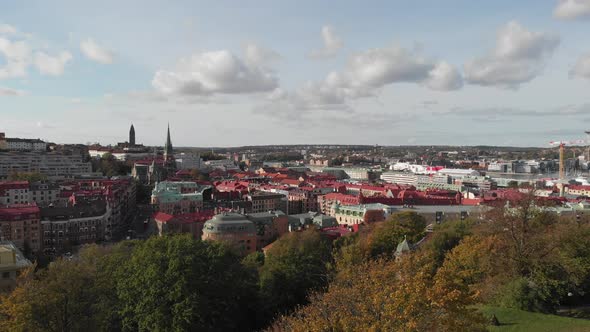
(163, 217)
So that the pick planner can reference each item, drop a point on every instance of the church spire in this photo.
(168, 147)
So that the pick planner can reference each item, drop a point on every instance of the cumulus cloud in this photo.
(11, 92)
(582, 67)
(218, 72)
(95, 52)
(17, 56)
(518, 57)
(572, 9)
(444, 77)
(52, 65)
(364, 75)
(258, 56)
(6, 29)
(332, 43)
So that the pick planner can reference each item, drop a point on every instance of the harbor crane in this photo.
(562, 145)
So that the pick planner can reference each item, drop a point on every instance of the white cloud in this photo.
(332, 43)
(582, 67)
(217, 72)
(364, 75)
(444, 77)
(17, 57)
(95, 52)
(52, 65)
(11, 92)
(6, 29)
(572, 9)
(255, 55)
(518, 57)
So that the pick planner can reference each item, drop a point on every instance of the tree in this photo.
(179, 284)
(59, 298)
(388, 234)
(386, 295)
(295, 265)
(27, 176)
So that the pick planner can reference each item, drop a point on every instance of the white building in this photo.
(189, 161)
(51, 164)
(22, 144)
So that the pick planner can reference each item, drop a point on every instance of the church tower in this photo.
(170, 162)
(132, 136)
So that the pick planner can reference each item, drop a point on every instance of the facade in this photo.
(84, 222)
(321, 221)
(191, 223)
(14, 192)
(12, 262)
(360, 214)
(188, 161)
(44, 193)
(265, 201)
(269, 226)
(21, 144)
(21, 225)
(177, 197)
(232, 228)
(400, 178)
(53, 165)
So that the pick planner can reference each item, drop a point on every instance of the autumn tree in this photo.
(386, 295)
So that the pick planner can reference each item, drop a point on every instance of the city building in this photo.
(191, 223)
(44, 193)
(14, 192)
(53, 165)
(12, 262)
(21, 225)
(188, 161)
(266, 201)
(21, 144)
(177, 197)
(270, 226)
(233, 228)
(359, 214)
(83, 221)
(321, 221)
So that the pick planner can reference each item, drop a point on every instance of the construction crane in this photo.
(562, 145)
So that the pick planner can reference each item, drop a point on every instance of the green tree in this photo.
(295, 265)
(387, 235)
(27, 176)
(180, 284)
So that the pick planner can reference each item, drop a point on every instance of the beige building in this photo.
(12, 262)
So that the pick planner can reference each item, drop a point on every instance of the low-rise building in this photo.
(233, 228)
(360, 214)
(12, 262)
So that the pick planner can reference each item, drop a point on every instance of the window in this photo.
(5, 275)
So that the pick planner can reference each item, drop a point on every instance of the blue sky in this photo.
(227, 73)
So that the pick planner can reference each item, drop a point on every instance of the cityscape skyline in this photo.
(499, 73)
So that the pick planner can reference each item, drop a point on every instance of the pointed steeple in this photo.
(168, 148)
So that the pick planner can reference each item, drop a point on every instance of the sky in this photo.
(233, 73)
